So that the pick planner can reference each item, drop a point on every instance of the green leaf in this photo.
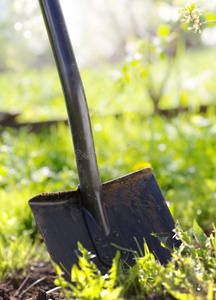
(182, 296)
(210, 291)
(114, 294)
(199, 234)
(192, 6)
(213, 239)
(114, 269)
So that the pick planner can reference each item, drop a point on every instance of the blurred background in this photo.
(100, 30)
(125, 43)
(150, 86)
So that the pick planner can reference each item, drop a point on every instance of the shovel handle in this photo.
(78, 114)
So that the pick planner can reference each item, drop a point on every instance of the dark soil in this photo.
(37, 284)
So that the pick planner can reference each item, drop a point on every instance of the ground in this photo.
(36, 284)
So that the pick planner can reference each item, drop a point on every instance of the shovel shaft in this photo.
(79, 121)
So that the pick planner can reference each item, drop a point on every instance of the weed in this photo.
(16, 253)
(190, 274)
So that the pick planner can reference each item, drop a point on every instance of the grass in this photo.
(127, 138)
(190, 273)
(180, 151)
(18, 252)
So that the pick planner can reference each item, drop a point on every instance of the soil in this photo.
(37, 284)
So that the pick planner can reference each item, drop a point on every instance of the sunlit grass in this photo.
(190, 273)
(180, 150)
(127, 138)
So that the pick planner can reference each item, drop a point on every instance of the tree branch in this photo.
(206, 22)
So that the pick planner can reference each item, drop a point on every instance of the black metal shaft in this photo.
(79, 121)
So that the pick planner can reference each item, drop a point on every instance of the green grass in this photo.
(180, 150)
(190, 273)
(17, 253)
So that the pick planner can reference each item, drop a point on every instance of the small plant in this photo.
(16, 253)
(145, 57)
(190, 274)
(191, 14)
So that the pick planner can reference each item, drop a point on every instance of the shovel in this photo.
(119, 214)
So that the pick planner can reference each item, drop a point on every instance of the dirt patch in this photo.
(37, 284)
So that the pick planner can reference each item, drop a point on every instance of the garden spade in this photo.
(119, 214)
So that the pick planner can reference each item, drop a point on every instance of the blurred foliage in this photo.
(36, 94)
(164, 82)
(24, 40)
(119, 89)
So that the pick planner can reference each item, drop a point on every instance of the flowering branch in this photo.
(190, 14)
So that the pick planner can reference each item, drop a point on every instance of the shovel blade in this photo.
(135, 209)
